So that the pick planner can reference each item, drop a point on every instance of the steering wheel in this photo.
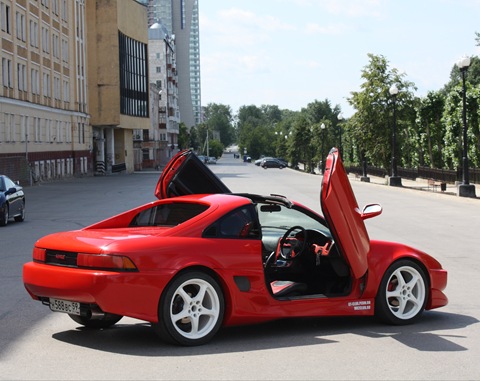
(291, 246)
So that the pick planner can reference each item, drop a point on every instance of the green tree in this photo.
(183, 137)
(431, 129)
(372, 127)
(215, 148)
(219, 118)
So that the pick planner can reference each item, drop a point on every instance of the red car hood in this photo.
(341, 211)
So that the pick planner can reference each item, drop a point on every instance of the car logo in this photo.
(60, 256)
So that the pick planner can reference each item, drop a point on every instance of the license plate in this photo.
(65, 306)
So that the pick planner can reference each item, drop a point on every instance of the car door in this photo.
(186, 174)
(341, 211)
(13, 196)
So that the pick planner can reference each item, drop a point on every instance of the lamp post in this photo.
(340, 118)
(364, 177)
(322, 161)
(465, 189)
(395, 180)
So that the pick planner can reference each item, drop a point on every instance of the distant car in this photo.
(272, 163)
(259, 161)
(282, 160)
(211, 160)
(202, 257)
(12, 201)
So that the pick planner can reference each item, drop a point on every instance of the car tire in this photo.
(402, 295)
(107, 321)
(21, 217)
(4, 216)
(191, 309)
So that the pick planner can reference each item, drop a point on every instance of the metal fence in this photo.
(442, 175)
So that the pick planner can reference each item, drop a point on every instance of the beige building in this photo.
(44, 120)
(118, 87)
(74, 86)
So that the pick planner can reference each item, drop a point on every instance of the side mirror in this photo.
(11, 190)
(371, 210)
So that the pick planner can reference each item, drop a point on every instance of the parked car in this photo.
(202, 257)
(12, 201)
(211, 160)
(272, 163)
(259, 161)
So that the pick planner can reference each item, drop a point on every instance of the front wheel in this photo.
(191, 309)
(402, 295)
(4, 216)
(107, 321)
(21, 217)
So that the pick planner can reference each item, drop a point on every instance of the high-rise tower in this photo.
(181, 19)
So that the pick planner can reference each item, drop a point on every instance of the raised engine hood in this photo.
(186, 174)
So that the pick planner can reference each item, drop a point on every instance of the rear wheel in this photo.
(191, 309)
(107, 321)
(402, 295)
(4, 216)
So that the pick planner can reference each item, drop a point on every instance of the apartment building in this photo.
(44, 118)
(73, 88)
(160, 143)
(182, 21)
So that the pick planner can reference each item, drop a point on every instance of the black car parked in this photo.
(12, 201)
(272, 163)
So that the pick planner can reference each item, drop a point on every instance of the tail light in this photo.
(105, 262)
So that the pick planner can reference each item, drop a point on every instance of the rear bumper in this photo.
(128, 294)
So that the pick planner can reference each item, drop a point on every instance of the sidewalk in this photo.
(418, 184)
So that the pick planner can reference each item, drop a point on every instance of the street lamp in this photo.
(395, 180)
(340, 118)
(322, 162)
(465, 189)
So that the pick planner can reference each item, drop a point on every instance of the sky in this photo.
(290, 53)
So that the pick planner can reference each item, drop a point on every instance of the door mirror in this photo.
(371, 210)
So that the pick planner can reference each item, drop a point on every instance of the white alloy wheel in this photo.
(403, 293)
(192, 309)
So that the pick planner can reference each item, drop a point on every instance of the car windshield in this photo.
(280, 217)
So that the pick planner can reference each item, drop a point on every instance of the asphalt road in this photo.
(36, 344)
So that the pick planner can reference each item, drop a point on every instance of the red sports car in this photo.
(202, 257)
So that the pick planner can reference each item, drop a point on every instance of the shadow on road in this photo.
(140, 340)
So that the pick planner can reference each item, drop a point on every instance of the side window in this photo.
(239, 224)
(168, 214)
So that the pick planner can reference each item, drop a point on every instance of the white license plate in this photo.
(65, 306)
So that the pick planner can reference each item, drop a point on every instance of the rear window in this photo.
(168, 214)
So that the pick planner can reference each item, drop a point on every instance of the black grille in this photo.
(61, 258)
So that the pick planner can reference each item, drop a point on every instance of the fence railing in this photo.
(443, 175)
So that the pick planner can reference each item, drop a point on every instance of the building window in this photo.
(46, 85)
(20, 21)
(133, 77)
(5, 17)
(7, 72)
(56, 88)
(22, 77)
(33, 33)
(45, 40)
(66, 91)
(35, 81)
(56, 45)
